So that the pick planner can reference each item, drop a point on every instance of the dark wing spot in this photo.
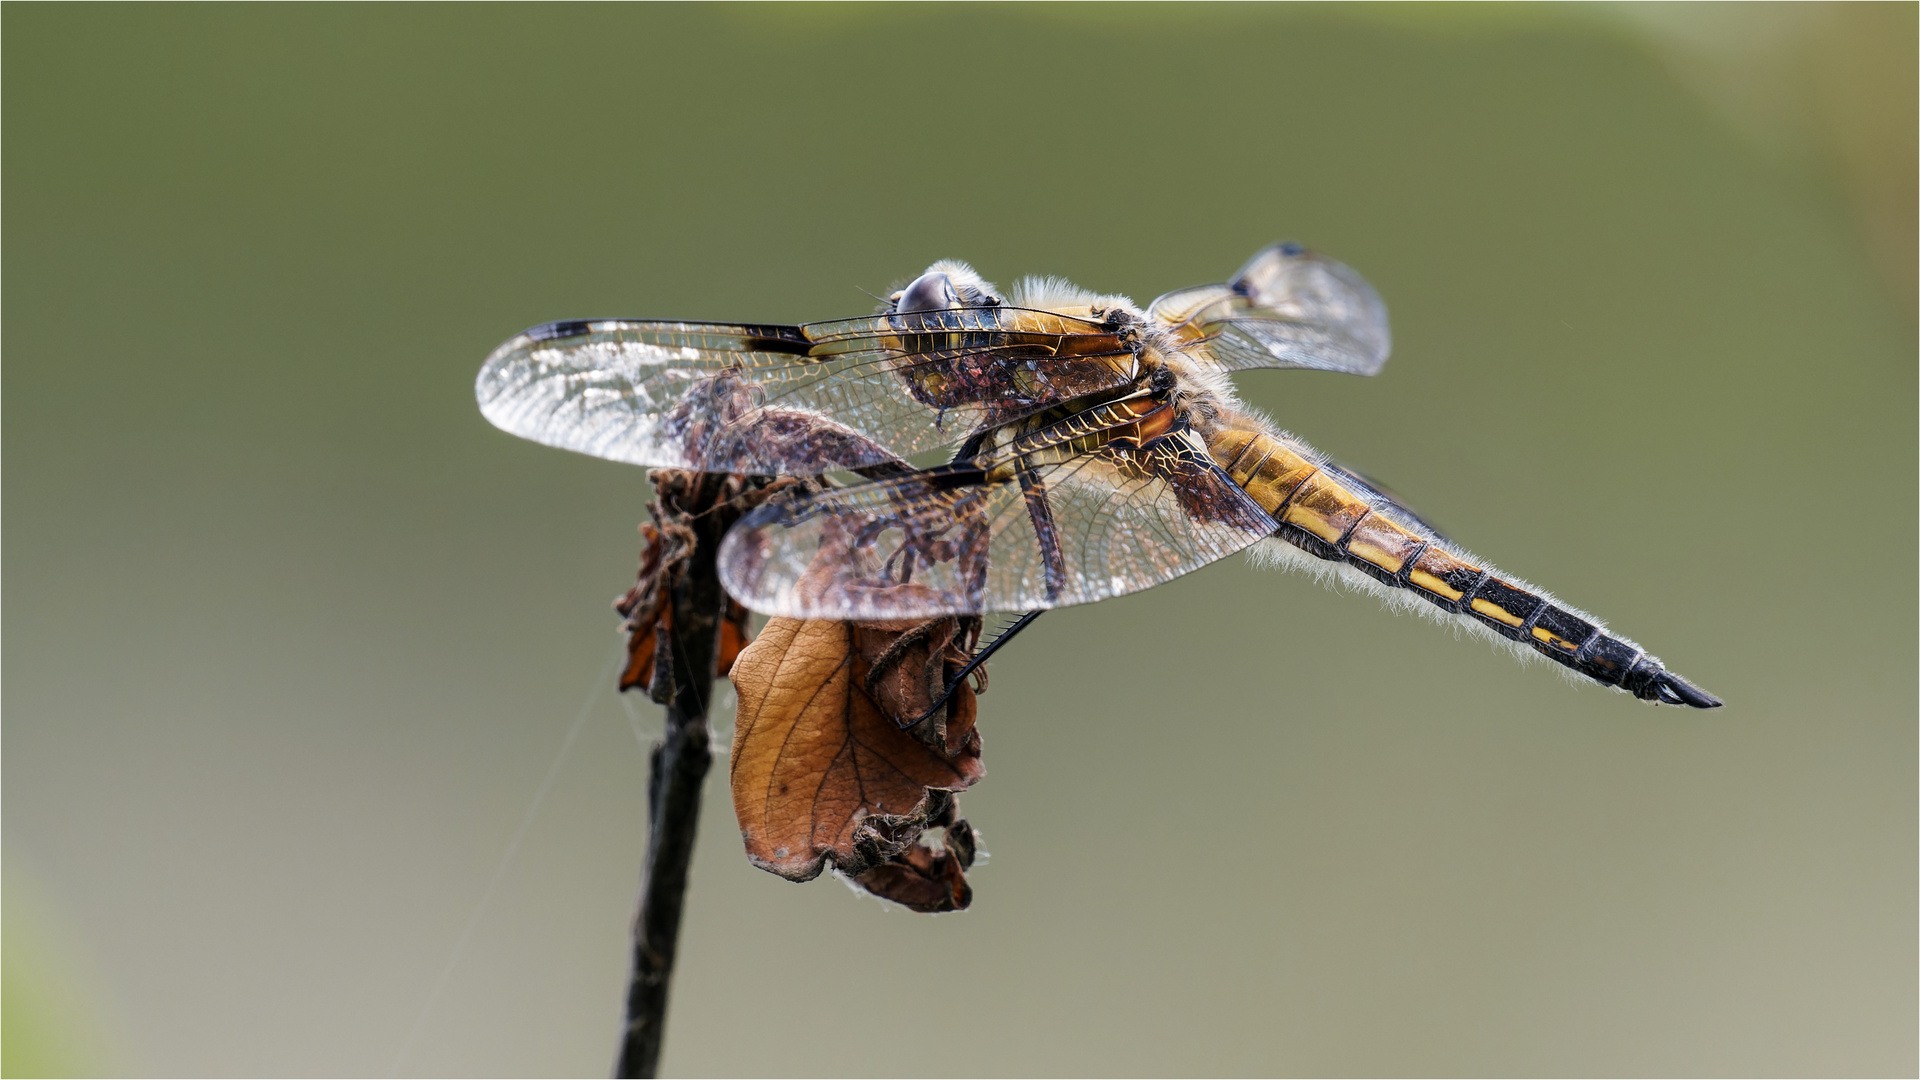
(776, 339)
(565, 328)
(948, 477)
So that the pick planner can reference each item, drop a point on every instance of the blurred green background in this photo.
(293, 636)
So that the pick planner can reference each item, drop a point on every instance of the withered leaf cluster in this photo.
(824, 772)
(648, 610)
(839, 754)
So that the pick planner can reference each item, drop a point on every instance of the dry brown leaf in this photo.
(820, 770)
(645, 657)
(924, 879)
(648, 606)
(908, 667)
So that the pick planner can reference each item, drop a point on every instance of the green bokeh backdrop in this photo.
(292, 635)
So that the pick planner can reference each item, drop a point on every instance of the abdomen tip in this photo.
(1675, 690)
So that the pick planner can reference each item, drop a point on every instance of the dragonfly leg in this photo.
(979, 658)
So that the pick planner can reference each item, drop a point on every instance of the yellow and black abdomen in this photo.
(1331, 515)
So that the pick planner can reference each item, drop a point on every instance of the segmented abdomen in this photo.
(1335, 517)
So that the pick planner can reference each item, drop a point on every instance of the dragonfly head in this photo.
(946, 284)
(932, 291)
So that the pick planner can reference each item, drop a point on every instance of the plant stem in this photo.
(679, 766)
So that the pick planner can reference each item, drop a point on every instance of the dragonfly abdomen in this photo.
(1333, 519)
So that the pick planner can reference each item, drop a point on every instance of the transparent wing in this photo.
(1287, 308)
(792, 399)
(966, 539)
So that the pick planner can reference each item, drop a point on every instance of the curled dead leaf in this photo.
(924, 879)
(647, 607)
(908, 667)
(669, 541)
(822, 772)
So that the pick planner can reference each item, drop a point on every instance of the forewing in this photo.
(798, 400)
(957, 539)
(1287, 308)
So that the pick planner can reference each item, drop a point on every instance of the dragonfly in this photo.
(1084, 448)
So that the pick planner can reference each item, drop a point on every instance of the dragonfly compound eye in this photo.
(928, 292)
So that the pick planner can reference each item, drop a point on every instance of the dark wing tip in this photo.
(1675, 690)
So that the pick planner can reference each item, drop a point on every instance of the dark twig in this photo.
(680, 760)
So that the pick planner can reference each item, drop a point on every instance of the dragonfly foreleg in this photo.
(979, 657)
